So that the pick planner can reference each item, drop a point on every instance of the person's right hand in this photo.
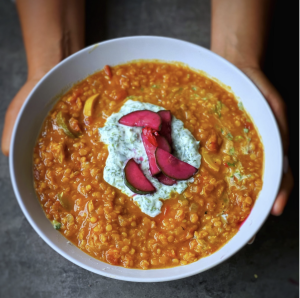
(52, 30)
(12, 113)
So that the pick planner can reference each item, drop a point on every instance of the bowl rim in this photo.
(124, 277)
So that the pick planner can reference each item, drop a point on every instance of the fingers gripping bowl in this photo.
(79, 66)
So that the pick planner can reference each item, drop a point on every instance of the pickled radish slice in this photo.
(165, 180)
(166, 130)
(150, 151)
(172, 166)
(135, 179)
(163, 144)
(144, 118)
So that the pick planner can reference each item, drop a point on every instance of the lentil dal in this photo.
(69, 159)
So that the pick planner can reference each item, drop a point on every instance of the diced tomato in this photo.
(77, 93)
(88, 120)
(213, 146)
(112, 256)
(36, 174)
(226, 165)
(249, 125)
(214, 142)
(74, 124)
(119, 95)
(107, 71)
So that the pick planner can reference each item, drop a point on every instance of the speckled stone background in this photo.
(30, 268)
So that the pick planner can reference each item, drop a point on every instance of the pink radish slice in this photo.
(166, 130)
(142, 118)
(135, 179)
(150, 151)
(163, 144)
(165, 180)
(172, 166)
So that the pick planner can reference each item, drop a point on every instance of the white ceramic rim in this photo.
(107, 274)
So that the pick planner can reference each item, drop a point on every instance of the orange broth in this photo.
(107, 224)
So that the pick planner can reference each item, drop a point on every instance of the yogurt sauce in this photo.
(125, 142)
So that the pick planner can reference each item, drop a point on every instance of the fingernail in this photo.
(251, 240)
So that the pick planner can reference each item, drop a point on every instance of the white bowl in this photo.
(77, 67)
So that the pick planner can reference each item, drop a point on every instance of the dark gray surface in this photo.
(30, 268)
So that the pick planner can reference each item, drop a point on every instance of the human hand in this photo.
(12, 113)
(279, 109)
(52, 30)
(239, 30)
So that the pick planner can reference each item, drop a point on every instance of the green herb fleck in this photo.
(155, 86)
(238, 175)
(194, 88)
(194, 96)
(246, 130)
(238, 138)
(231, 164)
(218, 108)
(231, 151)
(241, 106)
(142, 89)
(56, 224)
(229, 136)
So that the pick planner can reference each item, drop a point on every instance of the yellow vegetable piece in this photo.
(64, 201)
(89, 104)
(207, 158)
(61, 123)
